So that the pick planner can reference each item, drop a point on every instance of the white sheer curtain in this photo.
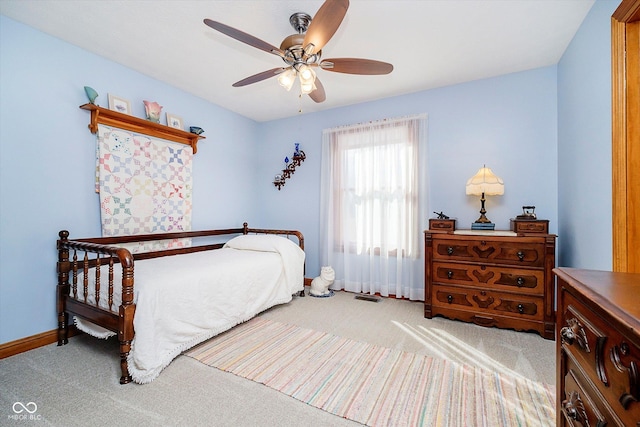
(373, 194)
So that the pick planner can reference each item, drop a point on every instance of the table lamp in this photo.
(484, 183)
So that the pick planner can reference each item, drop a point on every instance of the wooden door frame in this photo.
(625, 77)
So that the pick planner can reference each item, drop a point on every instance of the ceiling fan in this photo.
(302, 51)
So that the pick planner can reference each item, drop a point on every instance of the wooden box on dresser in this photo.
(491, 278)
(598, 348)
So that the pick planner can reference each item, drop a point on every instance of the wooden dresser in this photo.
(598, 350)
(491, 278)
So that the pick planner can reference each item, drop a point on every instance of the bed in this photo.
(189, 287)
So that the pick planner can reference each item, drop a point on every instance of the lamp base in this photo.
(483, 226)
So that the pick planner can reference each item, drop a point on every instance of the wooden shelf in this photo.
(100, 115)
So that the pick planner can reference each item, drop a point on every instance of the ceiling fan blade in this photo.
(259, 77)
(318, 95)
(244, 37)
(356, 66)
(324, 25)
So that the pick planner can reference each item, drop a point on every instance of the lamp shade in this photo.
(485, 181)
(287, 79)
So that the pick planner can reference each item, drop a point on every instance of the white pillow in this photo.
(260, 242)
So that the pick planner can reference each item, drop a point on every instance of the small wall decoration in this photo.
(91, 94)
(153, 110)
(290, 166)
(175, 121)
(118, 104)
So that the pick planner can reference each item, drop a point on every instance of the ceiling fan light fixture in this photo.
(306, 74)
(307, 87)
(307, 79)
(287, 79)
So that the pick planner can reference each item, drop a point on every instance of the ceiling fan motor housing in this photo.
(292, 46)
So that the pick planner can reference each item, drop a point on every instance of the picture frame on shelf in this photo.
(174, 121)
(119, 104)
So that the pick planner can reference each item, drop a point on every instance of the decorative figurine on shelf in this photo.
(195, 129)
(91, 94)
(290, 167)
(298, 155)
(441, 215)
(153, 110)
(278, 181)
(320, 285)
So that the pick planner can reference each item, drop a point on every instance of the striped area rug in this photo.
(374, 385)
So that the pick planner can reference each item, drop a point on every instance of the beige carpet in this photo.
(77, 384)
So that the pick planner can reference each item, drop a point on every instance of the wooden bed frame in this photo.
(105, 251)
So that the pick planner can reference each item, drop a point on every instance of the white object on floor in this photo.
(320, 285)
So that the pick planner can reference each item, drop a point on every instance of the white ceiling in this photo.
(431, 43)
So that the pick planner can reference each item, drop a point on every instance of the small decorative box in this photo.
(442, 224)
(530, 226)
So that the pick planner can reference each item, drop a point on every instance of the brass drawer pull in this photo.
(520, 255)
(449, 274)
(520, 308)
(450, 250)
(449, 298)
(520, 281)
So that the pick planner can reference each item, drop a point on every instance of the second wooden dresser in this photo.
(598, 349)
(490, 278)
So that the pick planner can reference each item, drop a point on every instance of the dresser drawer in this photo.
(604, 353)
(581, 404)
(487, 301)
(530, 226)
(506, 251)
(518, 280)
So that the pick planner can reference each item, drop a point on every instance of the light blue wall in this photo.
(507, 123)
(47, 168)
(584, 143)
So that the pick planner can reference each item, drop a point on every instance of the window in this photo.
(371, 194)
(378, 190)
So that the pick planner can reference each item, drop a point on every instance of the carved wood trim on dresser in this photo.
(491, 278)
(598, 348)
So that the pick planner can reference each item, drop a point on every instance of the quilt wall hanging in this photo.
(145, 186)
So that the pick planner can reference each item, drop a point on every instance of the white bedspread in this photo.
(183, 300)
